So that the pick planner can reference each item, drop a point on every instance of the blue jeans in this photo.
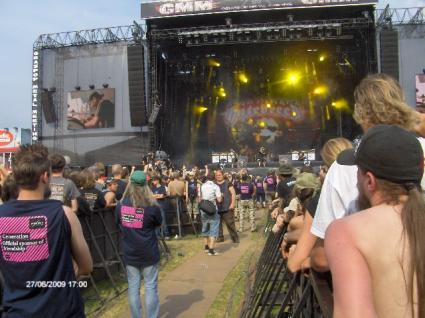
(210, 224)
(150, 276)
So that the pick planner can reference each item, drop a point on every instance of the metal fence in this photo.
(276, 292)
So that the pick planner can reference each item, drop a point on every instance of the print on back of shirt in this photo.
(58, 191)
(24, 239)
(132, 217)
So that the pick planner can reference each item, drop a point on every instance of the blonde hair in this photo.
(140, 196)
(116, 170)
(333, 148)
(380, 100)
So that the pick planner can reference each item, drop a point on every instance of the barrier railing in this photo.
(276, 292)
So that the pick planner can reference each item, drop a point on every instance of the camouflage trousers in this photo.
(246, 208)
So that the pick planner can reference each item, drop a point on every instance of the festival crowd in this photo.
(360, 217)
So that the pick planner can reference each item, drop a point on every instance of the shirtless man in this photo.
(376, 256)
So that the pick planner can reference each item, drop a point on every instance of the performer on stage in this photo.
(261, 156)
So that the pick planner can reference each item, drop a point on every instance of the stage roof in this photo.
(161, 9)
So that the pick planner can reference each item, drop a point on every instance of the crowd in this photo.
(360, 218)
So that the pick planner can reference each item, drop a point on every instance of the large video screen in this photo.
(91, 109)
(420, 90)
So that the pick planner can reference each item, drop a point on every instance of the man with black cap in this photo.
(378, 252)
(286, 183)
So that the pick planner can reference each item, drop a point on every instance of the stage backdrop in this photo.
(91, 109)
(157, 9)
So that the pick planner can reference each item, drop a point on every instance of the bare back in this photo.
(372, 245)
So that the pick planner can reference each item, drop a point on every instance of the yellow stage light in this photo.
(222, 92)
(340, 104)
(293, 78)
(322, 58)
(199, 109)
(321, 90)
(243, 78)
(294, 114)
(262, 124)
(213, 63)
(268, 105)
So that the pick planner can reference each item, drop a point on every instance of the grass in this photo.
(181, 250)
(229, 301)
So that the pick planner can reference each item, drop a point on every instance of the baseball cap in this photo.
(138, 177)
(307, 180)
(391, 153)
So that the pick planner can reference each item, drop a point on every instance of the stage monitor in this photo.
(303, 155)
(161, 9)
(91, 109)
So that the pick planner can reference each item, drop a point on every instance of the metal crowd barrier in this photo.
(276, 292)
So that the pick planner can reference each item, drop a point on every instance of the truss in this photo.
(403, 16)
(130, 33)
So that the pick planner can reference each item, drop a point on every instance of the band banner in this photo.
(158, 9)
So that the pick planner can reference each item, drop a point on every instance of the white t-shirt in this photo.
(337, 199)
(210, 191)
(339, 194)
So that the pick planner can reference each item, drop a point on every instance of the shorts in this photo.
(210, 224)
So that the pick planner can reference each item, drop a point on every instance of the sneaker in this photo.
(214, 253)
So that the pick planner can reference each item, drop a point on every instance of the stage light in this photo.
(340, 104)
(322, 58)
(321, 90)
(200, 109)
(294, 114)
(269, 105)
(213, 63)
(243, 78)
(222, 92)
(293, 78)
(262, 124)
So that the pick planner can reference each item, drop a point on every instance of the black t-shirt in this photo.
(94, 198)
(311, 205)
(159, 190)
(140, 243)
(121, 189)
(107, 114)
(284, 188)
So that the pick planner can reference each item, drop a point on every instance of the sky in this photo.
(23, 21)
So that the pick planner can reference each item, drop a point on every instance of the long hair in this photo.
(140, 196)
(380, 100)
(332, 148)
(413, 220)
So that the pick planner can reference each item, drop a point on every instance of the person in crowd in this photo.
(160, 193)
(247, 190)
(62, 189)
(210, 223)
(260, 193)
(100, 176)
(51, 239)
(176, 189)
(117, 172)
(110, 193)
(299, 254)
(270, 183)
(192, 194)
(286, 184)
(8, 190)
(226, 207)
(94, 197)
(379, 252)
(139, 216)
(307, 191)
(236, 180)
(379, 99)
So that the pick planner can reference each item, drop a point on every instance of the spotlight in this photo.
(269, 105)
(105, 85)
(199, 109)
(322, 58)
(293, 78)
(262, 124)
(340, 104)
(92, 86)
(214, 63)
(222, 92)
(77, 88)
(294, 114)
(243, 78)
(321, 90)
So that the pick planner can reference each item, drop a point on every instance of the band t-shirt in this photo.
(140, 243)
(259, 186)
(63, 189)
(246, 189)
(36, 261)
(94, 198)
(270, 183)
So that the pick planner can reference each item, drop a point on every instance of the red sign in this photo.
(6, 137)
